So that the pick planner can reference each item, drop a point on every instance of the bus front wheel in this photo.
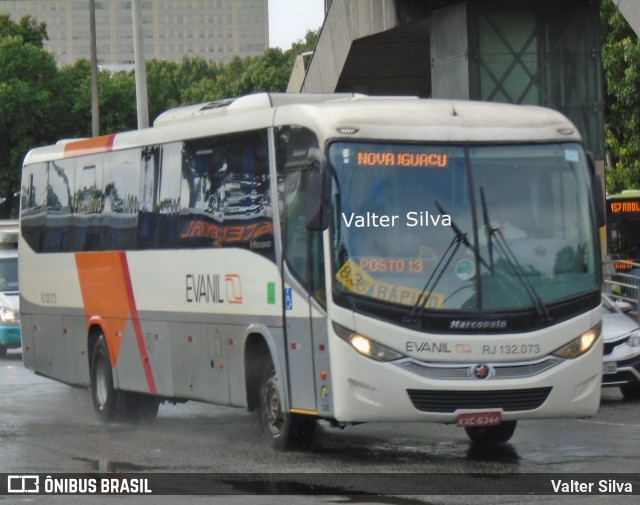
(498, 434)
(283, 430)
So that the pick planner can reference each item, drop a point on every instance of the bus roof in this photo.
(337, 116)
(245, 103)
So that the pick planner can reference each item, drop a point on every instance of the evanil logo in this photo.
(213, 288)
(233, 287)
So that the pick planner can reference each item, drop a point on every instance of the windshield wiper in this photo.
(423, 298)
(507, 253)
(487, 228)
(459, 239)
(460, 235)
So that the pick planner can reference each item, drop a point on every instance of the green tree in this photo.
(28, 29)
(75, 95)
(170, 84)
(267, 72)
(116, 100)
(621, 65)
(305, 45)
(28, 91)
(162, 86)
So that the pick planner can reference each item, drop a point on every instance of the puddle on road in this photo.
(107, 466)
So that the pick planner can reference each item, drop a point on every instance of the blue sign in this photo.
(288, 299)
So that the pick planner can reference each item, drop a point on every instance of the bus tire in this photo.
(3, 352)
(283, 430)
(498, 434)
(111, 404)
(104, 396)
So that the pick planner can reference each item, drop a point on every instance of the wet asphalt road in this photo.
(48, 427)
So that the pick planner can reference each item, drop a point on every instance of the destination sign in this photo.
(402, 159)
(620, 206)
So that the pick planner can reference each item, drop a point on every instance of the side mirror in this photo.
(596, 190)
(318, 192)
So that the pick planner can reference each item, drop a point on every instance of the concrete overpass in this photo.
(543, 52)
(630, 9)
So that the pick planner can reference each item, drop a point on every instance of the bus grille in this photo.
(465, 371)
(450, 401)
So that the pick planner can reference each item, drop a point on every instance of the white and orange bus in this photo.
(320, 257)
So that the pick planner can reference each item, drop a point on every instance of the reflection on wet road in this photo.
(46, 426)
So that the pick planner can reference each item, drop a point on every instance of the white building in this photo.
(216, 30)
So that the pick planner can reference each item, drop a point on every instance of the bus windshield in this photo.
(463, 228)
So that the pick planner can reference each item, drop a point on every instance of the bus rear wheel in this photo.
(104, 396)
(498, 434)
(284, 430)
(111, 404)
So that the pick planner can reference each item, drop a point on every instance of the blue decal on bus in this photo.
(288, 299)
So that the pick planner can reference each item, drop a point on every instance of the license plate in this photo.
(478, 419)
(609, 367)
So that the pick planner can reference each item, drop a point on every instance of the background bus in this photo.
(623, 228)
(9, 297)
(333, 257)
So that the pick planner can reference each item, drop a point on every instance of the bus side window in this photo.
(33, 203)
(120, 200)
(302, 248)
(225, 193)
(88, 203)
(59, 233)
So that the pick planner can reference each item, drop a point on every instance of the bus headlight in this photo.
(366, 346)
(580, 345)
(9, 316)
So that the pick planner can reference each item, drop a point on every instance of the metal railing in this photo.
(623, 283)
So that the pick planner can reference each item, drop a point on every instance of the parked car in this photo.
(9, 296)
(621, 361)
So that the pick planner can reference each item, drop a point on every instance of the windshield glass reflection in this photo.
(462, 228)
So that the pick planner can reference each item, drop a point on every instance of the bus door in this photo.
(304, 302)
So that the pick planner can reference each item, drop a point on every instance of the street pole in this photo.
(140, 69)
(95, 113)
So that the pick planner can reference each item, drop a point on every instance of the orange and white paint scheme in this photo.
(309, 257)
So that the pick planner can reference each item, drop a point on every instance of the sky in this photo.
(289, 20)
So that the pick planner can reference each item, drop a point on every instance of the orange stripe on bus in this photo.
(108, 297)
(104, 294)
(137, 327)
(89, 146)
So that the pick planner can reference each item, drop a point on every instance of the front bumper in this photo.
(365, 390)
(621, 372)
